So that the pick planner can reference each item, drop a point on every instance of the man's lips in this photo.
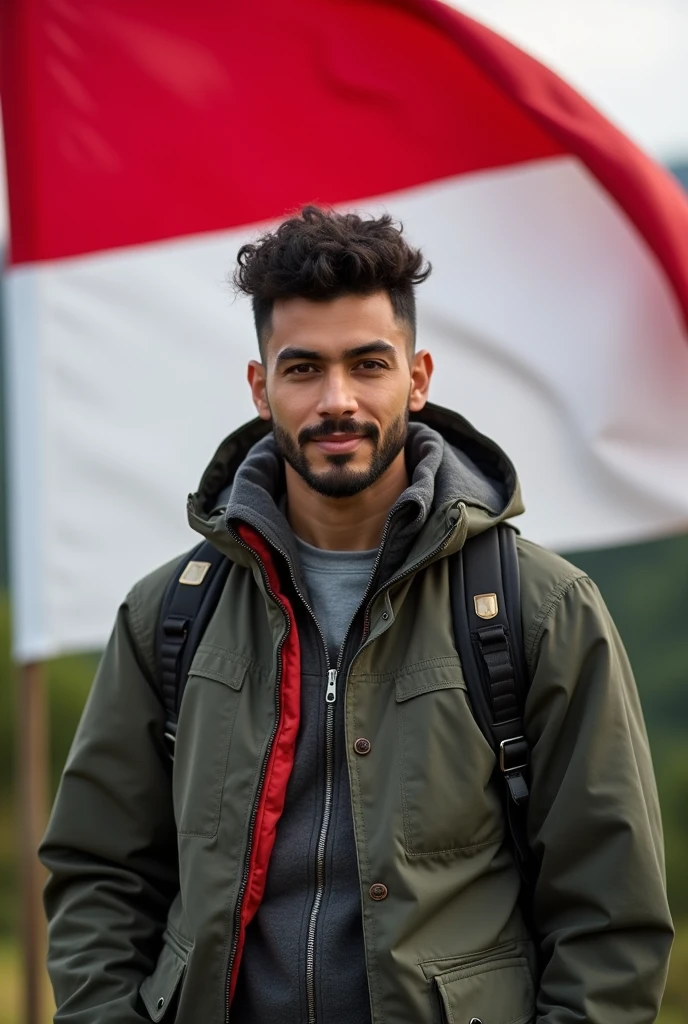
(338, 444)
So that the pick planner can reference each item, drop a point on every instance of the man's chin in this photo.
(339, 461)
(339, 481)
(330, 463)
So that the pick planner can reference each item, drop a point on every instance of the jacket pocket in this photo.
(446, 764)
(160, 988)
(204, 735)
(501, 992)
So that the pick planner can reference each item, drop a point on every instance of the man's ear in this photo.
(257, 383)
(421, 373)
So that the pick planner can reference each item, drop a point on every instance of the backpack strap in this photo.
(188, 604)
(486, 611)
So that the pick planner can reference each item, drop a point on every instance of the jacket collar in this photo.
(450, 465)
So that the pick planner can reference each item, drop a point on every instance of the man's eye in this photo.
(371, 364)
(301, 369)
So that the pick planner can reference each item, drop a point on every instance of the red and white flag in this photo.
(147, 140)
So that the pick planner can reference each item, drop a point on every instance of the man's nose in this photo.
(336, 396)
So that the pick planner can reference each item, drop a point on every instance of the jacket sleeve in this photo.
(111, 844)
(600, 906)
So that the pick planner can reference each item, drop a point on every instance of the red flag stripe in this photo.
(130, 121)
(141, 120)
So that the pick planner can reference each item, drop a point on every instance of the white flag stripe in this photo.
(553, 330)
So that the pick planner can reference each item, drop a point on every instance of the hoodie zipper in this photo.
(330, 700)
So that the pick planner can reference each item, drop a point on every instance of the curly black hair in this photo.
(320, 255)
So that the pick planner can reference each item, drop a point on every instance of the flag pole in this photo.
(32, 791)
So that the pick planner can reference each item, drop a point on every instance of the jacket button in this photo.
(362, 745)
(385, 615)
(475, 1020)
(378, 891)
(161, 1002)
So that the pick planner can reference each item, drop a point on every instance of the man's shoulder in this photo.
(545, 578)
(543, 568)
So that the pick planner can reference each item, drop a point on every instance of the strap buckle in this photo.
(175, 627)
(510, 759)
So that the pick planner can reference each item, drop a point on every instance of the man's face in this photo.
(338, 383)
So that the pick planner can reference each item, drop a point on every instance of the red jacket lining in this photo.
(281, 759)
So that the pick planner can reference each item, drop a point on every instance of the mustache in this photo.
(329, 427)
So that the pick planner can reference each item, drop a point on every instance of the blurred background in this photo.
(630, 58)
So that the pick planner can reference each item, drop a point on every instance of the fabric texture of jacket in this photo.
(159, 877)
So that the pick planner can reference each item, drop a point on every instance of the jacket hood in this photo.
(449, 462)
(461, 483)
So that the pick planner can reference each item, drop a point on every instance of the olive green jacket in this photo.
(154, 873)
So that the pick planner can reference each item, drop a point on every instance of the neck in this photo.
(344, 524)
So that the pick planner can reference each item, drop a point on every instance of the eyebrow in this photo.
(370, 348)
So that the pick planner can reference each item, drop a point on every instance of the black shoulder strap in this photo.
(189, 602)
(486, 611)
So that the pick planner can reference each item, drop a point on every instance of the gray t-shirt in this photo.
(336, 582)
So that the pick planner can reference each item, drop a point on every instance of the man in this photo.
(330, 845)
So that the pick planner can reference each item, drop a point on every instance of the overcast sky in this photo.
(630, 57)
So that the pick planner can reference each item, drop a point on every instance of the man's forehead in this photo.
(335, 326)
